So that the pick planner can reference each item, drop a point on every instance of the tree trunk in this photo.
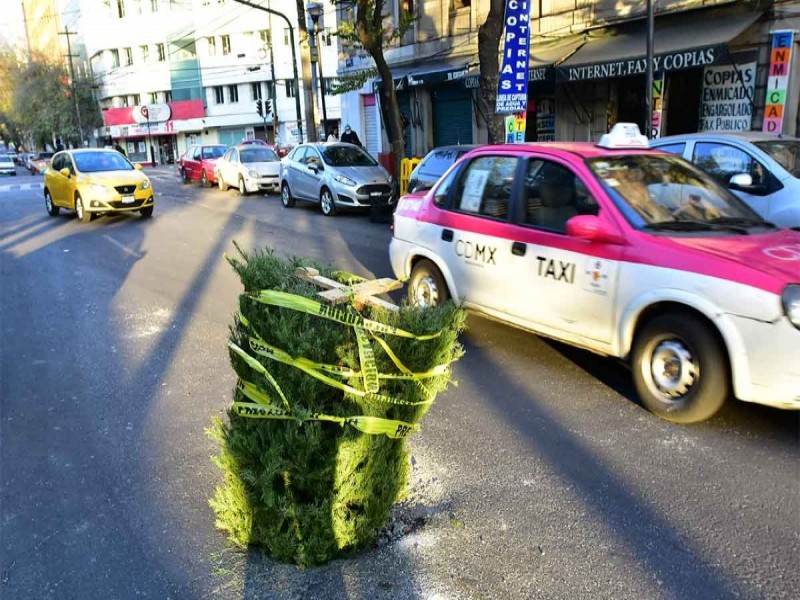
(391, 109)
(305, 63)
(488, 54)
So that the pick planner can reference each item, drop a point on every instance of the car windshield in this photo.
(347, 156)
(213, 151)
(785, 152)
(5, 158)
(94, 162)
(256, 155)
(662, 189)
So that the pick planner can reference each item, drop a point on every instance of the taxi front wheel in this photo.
(427, 287)
(680, 369)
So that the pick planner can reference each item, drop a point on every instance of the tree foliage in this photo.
(37, 103)
(372, 27)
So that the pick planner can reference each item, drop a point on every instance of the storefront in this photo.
(149, 133)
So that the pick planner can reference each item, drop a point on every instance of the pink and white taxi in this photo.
(620, 250)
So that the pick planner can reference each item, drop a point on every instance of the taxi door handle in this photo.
(518, 248)
(447, 235)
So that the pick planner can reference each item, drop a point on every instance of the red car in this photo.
(197, 163)
(280, 150)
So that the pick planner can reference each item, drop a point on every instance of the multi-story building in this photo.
(586, 69)
(47, 25)
(199, 66)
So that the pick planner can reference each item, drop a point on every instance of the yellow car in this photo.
(93, 181)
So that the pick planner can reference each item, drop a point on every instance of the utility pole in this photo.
(69, 33)
(649, 90)
(305, 62)
(274, 86)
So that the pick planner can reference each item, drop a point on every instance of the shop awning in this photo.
(543, 55)
(431, 72)
(681, 41)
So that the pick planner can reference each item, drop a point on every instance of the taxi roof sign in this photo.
(623, 135)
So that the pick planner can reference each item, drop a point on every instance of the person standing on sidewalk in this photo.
(351, 137)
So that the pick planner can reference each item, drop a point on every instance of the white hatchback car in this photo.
(762, 169)
(250, 168)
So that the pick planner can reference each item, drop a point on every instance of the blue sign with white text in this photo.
(512, 86)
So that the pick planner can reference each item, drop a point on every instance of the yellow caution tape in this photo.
(326, 311)
(262, 409)
(369, 369)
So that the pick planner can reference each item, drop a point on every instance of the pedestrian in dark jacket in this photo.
(350, 137)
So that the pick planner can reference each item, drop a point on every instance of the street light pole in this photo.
(315, 10)
(294, 58)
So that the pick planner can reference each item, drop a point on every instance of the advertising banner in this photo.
(512, 86)
(515, 128)
(658, 105)
(778, 82)
(726, 103)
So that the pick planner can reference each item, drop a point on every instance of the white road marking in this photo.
(122, 246)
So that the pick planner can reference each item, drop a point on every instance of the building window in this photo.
(291, 88)
(152, 98)
(145, 52)
(168, 96)
(270, 87)
(256, 89)
(219, 95)
(211, 44)
(154, 6)
(266, 38)
(226, 44)
(233, 93)
(115, 58)
(162, 56)
(285, 36)
(327, 85)
(137, 100)
(128, 57)
(328, 36)
(120, 8)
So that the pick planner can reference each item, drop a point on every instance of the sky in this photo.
(12, 26)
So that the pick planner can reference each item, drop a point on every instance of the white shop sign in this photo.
(726, 101)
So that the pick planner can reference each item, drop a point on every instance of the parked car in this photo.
(39, 161)
(12, 154)
(762, 169)
(95, 181)
(197, 163)
(434, 165)
(250, 167)
(335, 175)
(620, 250)
(7, 166)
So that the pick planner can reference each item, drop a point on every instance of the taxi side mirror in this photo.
(137, 166)
(592, 229)
(65, 172)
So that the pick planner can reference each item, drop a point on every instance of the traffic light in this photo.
(267, 107)
(259, 107)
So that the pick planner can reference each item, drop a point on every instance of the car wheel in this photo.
(286, 196)
(83, 215)
(242, 188)
(326, 203)
(204, 179)
(680, 369)
(222, 185)
(52, 209)
(147, 212)
(427, 286)
(184, 177)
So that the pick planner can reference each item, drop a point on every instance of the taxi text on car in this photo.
(621, 250)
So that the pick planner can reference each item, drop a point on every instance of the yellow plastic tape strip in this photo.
(259, 368)
(306, 305)
(367, 357)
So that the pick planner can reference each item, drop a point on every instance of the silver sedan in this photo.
(336, 176)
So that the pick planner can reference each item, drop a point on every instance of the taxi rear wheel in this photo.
(52, 209)
(680, 368)
(427, 286)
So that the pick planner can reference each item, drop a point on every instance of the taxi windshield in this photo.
(660, 189)
(102, 160)
(785, 152)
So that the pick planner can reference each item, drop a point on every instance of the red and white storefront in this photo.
(170, 129)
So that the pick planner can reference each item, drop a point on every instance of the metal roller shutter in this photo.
(371, 140)
(452, 116)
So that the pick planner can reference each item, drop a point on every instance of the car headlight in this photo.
(344, 180)
(146, 184)
(791, 304)
(100, 190)
(389, 178)
(253, 174)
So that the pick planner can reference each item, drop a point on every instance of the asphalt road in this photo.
(540, 475)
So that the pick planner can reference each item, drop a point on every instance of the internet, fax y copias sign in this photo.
(512, 87)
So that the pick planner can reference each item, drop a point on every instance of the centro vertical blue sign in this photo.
(512, 86)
